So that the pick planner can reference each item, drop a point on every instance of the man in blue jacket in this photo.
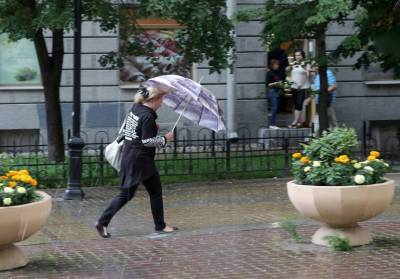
(332, 86)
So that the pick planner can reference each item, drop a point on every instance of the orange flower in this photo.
(12, 184)
(304, 160)
(296, 155)
(376, 154)
(371, 158)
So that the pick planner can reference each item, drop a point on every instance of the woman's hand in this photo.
(169, 136)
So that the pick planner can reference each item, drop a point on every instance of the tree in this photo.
(377, 35)
(30, 19)
(286, 21)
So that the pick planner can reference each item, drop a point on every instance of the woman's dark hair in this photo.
(303, 54)
(272, 62)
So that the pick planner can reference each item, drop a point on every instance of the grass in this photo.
(338, 243)
(291, 229)
(189, 167)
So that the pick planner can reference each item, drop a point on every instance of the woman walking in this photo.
(300, 85)
(137, 165)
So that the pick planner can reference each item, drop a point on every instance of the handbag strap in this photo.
(123, 124)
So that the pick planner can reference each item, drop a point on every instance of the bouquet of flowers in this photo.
(284, 86)
(304, 63)
(17, 187)
(328, 161)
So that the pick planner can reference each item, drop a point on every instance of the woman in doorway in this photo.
(137, 164)
(300, 77)
(273, 82)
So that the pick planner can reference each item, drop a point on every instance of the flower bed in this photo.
(17, 187)
(327, 161)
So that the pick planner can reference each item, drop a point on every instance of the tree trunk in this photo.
(50, 69)
(322, 107)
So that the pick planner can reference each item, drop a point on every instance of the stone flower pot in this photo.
(341, 207)
(18, 223)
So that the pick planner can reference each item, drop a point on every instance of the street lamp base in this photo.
(74, 193)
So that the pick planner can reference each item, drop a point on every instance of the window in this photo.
(159, 34)
(18, 62)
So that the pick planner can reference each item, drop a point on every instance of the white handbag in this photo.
(113, 151)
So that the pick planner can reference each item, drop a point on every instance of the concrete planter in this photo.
(341, 207)
(18, 223)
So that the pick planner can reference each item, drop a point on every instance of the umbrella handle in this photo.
(179, 118)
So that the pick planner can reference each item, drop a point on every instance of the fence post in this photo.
(228, 158)
(287, 156)
(101, 161)
(175, 142)
(213, 144)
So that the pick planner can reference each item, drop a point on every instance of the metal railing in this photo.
(210, 157)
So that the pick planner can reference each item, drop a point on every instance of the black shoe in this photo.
(102, 230)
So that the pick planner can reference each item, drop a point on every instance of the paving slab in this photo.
(227, 230)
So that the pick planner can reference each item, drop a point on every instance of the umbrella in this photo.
(190, 99)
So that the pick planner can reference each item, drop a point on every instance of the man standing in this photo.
(332, 86)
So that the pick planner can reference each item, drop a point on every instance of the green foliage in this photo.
(338, 243)
(206, 34)
(377, 35)
(291, 229)
(332, 144)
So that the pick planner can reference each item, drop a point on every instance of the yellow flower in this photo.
(3, 177)
(12, 184)
(12, 173)
(296, 155)
(376, 154)
(371, 158)
(304, 160)
(344, 159)
(25, 178)
(24, 172)
(16, 177)
(34, 182)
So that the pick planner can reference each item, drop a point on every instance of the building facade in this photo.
(363, 95)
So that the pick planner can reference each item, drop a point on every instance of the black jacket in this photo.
(273, 76)
(141, 140)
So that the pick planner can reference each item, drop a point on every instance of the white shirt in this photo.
(299, 78)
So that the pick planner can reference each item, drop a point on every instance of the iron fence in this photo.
(209, 157)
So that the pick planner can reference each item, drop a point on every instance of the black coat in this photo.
(138, 151)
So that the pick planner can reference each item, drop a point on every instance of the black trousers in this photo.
(153, 187)
(299, 95)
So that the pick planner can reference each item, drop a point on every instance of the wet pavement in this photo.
(227, 230)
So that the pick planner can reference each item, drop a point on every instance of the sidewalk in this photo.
(227, 231)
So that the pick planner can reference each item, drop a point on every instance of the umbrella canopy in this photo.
(191, 100)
